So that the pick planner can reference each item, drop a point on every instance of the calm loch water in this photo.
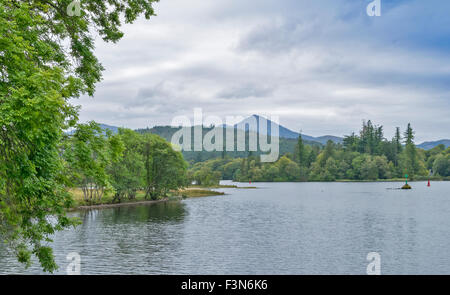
(279, 228)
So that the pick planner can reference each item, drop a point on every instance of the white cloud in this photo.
(322, 67)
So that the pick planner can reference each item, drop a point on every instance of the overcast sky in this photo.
(322, 66)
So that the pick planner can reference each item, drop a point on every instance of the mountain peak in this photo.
(285, 132)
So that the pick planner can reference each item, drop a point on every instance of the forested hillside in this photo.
(286, 144)
(364, 156)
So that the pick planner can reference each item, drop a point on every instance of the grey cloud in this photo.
(278, 38)
(245, 91)
(322, 66)
(157, 91)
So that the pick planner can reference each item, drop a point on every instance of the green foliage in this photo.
(398, 141)
(121, 164)
(165, 168)
(88, 153)
(287, 145)
(409, 135)
(441, 165)
(46, 58)
(127, 174)
(302, 152)
(209, 173)
(368, 156)
(206, 176)
(432, 154)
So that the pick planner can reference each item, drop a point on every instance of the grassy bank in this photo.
(196, 192)
(108, 199)
(220, 186)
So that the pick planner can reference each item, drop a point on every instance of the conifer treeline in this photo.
(364, 156)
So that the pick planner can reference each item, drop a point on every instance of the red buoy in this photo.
(428, 182)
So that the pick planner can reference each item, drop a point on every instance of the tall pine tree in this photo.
(301, 155)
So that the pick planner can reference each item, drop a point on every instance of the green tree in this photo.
(327, 152)
(314, 152)
(371, 137)
(398, 140)
(441, 165)
(127, 174)
(288, 169)
(244, 169)
(384, 170)
(409, 135)
(230, 169)
(432, 154)
(351, 142)
(165, 169)
(301, 155)
(206, 176)
(343, 169)
(357, 164)
(410, 161)
(271, 172)
(331, 170)
(46, 58)
(369, 170)
(88, 153)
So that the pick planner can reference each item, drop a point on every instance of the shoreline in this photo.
(188, 192)
(105, 206)
(208, 192)
(347, 181)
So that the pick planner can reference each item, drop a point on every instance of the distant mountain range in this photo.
(114, 129)
(428, 145)
(283, 132)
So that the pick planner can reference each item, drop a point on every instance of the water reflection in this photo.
(284, 228)
(113, 239)
(157, 212)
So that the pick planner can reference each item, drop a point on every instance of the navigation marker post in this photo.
(406, 186)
